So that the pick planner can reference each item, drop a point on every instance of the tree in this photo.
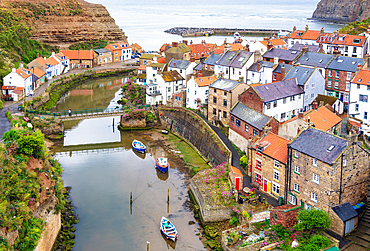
(313, 221)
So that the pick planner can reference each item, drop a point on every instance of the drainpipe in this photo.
(341, 177)
(288, 173)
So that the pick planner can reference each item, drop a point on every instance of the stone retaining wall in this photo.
(197, 133)
(209, 213)
(49, 233)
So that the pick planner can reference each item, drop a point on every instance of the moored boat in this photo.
(162, 164)
(168, 229)
(138, 146)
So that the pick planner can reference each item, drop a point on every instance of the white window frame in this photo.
(296, 187)
(344, 162)
(296, 154)
(314, 197)
(292, 199)
(314, 162)
(297, 169)
(316, 178)
(275, 188)
(276, 175)
(276, 164)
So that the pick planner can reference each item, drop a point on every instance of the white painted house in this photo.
(260, 72)
(64, 65)
(17, 83)
(359, 105)
(198, 89)
(183, 67)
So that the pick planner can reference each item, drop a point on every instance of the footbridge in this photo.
(78, 114)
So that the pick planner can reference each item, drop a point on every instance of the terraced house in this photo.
(325, 170)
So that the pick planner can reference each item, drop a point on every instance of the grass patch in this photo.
(190, 156)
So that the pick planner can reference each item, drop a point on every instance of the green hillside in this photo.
(356, 27)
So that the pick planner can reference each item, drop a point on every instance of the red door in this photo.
(237, 183)
(265, 185)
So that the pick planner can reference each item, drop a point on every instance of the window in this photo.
(336, 74)
(225, 102)
(255, 132)
(348, 86)
(214, 100)
(206, 92)
(275, 188)
(306, 97)
(214, 90)
(296, 187)
(348, 76)
(225, 93)
(276, 175)
(238, 122)
(276, 164)
(358, 86)
(214, 111)
(346, 96)
(232, 119)
(314, 197)
(314, 162)
(295, 154)
(297, 169)
(312, 95)
(282, 116)
(195, 92)
(246, 128)
(299, 96)
(258, 178)
(268, 106)
(284, 100)
(292, 199)
(169, 89)
(368, 87)
(344, 162)
(306, 87)
(365, 115)
(316, 178)
(258, 164)
(275, 103)
(292, 98)
(356, 108)
(330, 73)
(363, 98)
(329, 83)
(336, 85)
(225, 116)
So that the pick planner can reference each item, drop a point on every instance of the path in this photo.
(236, 163)
(13, 106)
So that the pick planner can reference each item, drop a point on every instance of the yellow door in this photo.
(269, 187)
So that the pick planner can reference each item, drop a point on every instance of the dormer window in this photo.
(356, 41)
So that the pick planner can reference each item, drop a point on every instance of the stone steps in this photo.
(363, 229)
(358, 241)
(354, 247)
(364, 236)
(365, 224)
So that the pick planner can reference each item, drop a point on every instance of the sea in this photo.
(145, 21)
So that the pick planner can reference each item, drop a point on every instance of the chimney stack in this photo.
(185, 42)
(314, 105)
(304, 49)
(306, 28)
(322, 30)
(257, 56)
(269, 45)
(351, 138)
(283, 71)
(38, 54)
(359, 67)
(258, 65)
(300, 115)
(321, 103)
(276, 60)
(174, 44)
(191, 41)
(294, 28)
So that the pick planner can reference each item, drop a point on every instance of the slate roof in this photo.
(265, 64)
(180, 64)
(169, 76)
(315, 59)
(316, 143)
(348, 64)
(250, 116)
(224, 84)
(311, 48)
(102, 51)
(227, 58)
(199, 67)
(278, 67)
(345, 211)
(277, 146)
(288, 55)
(212, 59)
(240, 59)
(302, 74)
(278, 90)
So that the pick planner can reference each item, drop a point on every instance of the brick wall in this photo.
(241, 129)
(251, 99)
(287, 215)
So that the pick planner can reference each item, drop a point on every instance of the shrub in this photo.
(244, 161)
(1, 104)
(313, 221)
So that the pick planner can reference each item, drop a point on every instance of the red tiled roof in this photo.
(8, 87)
(17, 92)
(217, 51)
(326, 38)
(52, 61)
(23, 73)
(199, 50)
(349, 40)
(277, 146)
(311, 35)
(295, 34)
(236, 170)
(42, 61)
(274, 42)
(142, 67)
(79, 54)
(161, 60)
(322, 118)
(38, 72)
(354, 123)
(364, 75)
(205, 81)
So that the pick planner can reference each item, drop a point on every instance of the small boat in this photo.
(138, 146)
(164, 131)
(168, 229)
(162, 164)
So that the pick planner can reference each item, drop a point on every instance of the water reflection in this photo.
(139, 154)
(161, 175)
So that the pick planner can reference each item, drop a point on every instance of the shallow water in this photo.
(102, 169)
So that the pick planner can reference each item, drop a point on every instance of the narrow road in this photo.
(13, 106)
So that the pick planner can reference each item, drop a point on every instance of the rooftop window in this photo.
(331, 148)
(356, 41)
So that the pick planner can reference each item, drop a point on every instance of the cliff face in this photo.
(64, 22)
(342, 10)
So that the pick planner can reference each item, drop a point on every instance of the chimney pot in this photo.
(314, 105)
(300, 115)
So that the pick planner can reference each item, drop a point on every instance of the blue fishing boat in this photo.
(168, 229)
(162, 164)
(138, 146)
